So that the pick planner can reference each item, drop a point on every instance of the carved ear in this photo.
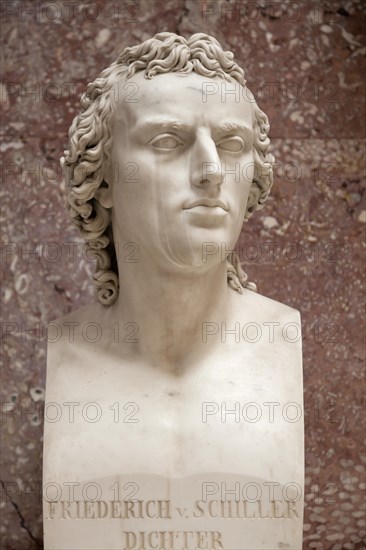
(253, 198)
(104, 195)
(104, 192)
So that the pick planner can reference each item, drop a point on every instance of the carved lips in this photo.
(207, 203)
(207, 213)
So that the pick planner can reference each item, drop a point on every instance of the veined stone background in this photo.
(305, 62)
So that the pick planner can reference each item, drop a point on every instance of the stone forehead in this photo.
(131, 93)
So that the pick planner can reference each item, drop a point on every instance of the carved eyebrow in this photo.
(162, 124)
(235, 127)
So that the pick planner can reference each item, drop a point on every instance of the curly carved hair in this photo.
(90, 141)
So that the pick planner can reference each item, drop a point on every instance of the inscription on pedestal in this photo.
(202, 512)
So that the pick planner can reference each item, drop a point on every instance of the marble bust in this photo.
(174, 402)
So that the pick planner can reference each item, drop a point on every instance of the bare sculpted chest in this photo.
(175, 462)
(175, 416)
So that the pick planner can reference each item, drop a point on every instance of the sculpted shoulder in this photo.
(253, 307)
(81, 332)
(80, 320)
(94, 312)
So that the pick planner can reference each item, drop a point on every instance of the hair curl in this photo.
(90, 141)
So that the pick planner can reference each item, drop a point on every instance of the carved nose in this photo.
(206, 166)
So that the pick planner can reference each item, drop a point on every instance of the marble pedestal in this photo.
(140, 459)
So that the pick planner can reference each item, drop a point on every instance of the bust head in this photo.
(183, 143)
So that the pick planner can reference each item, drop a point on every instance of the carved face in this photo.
(181, 167)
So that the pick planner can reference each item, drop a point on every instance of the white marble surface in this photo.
(162, 433)
(184, 379)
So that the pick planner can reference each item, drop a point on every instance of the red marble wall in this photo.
(305, 61)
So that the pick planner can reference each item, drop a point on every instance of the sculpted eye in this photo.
(166, 141)
(233, 144)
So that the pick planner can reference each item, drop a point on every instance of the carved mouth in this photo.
(208, 203)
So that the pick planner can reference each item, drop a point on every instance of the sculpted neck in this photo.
(169, 309)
